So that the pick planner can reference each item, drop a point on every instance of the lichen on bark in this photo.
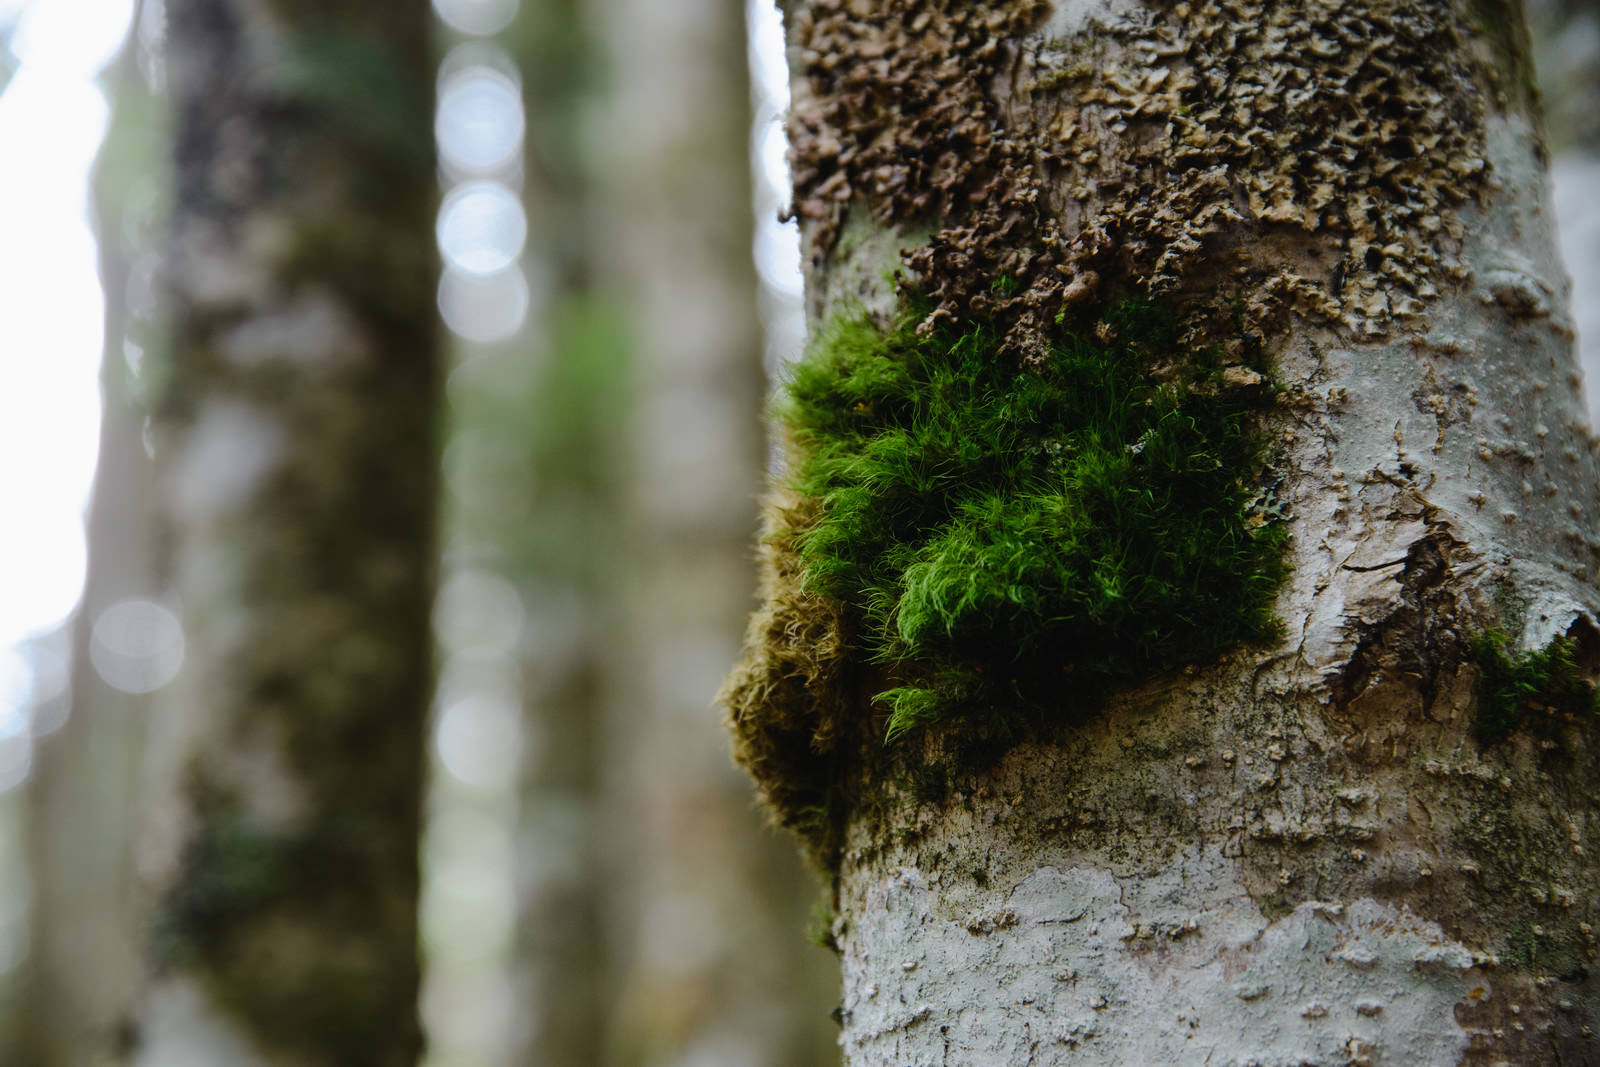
(1305, 125)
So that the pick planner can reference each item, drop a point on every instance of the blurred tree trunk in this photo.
(296, 450)
(1344, 847)
(1566, 48)
(706, 909)
(565, 554)
(87, 944)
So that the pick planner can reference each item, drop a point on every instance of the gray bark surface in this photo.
(1299, 854)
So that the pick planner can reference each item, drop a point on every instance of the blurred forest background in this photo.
(618, 293)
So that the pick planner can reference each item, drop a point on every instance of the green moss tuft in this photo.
(1538, 691)
(1005, 538)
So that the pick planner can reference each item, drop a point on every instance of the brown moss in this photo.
(785, 701)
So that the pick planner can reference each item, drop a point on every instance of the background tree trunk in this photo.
(1566, 39)
(569, 548)
(533, 469)
(706, 909)
(1320, 851)
(87, 940)
(298, 496)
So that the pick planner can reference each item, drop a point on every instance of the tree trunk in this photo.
(86, 944)
(297, 454)
(1365, 839)
(708, 911)
(1566, 38)
(533, 471)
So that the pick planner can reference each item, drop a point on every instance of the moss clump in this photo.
(1005, 538)
(1539, 691)
(786, 699)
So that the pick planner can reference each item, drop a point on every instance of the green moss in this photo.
(1537, 691)
(1534, 947)
(1009, 539)
(232, 870)
(819, 928)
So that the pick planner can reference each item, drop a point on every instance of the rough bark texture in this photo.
(298, 489)
(1300, 854)
(709, 911)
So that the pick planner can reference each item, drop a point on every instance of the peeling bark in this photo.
(1298, 854)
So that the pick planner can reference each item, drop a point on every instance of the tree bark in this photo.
(1310, 852)
(297, 494)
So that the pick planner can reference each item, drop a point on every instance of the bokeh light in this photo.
(1575, 182)
(136, 646)
(481, 227)
(52, 119)
(479, 740)
(71, 38)
(485, 298)
(478, 17)
(484, 309)
(479, 614)
(776, 244)
(479, 122)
